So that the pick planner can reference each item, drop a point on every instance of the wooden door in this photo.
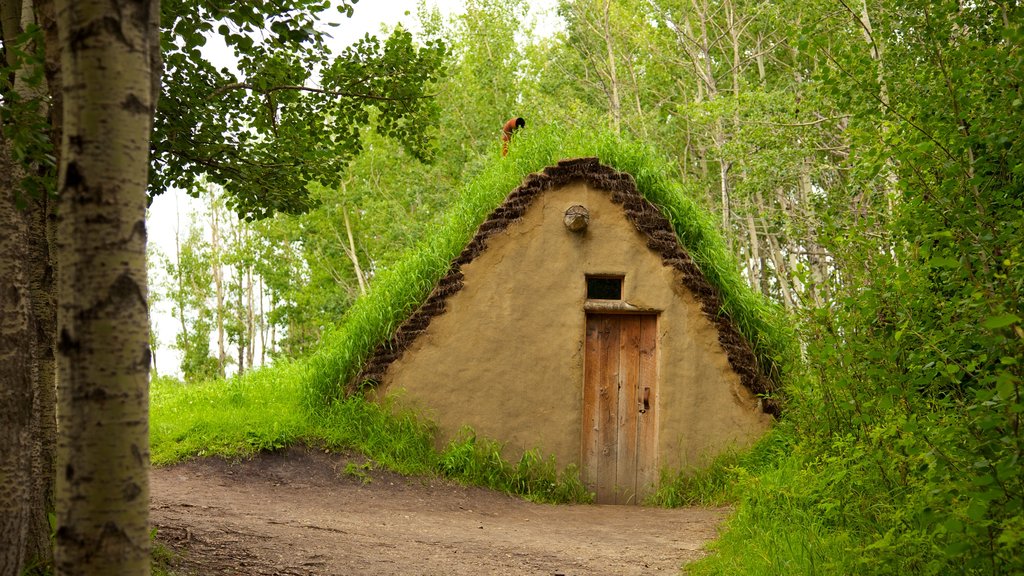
(619, 456)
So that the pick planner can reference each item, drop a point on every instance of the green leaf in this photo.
(1005, 385)
(957, 548)
(976, 510)
(1001, 321)
(953, 525)
(943, 262)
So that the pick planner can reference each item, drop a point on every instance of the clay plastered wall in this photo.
(507, 356)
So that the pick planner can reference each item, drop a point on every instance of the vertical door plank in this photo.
(647, 428)
(629, 376)
(590, 452)
(608, 409)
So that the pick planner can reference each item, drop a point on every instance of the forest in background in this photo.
(864, 162)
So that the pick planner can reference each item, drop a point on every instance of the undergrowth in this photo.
(478, 461)
(723, 480)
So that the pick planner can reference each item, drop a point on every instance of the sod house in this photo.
(576, 323)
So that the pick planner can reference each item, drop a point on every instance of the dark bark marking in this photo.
(67, 345)
(131, 491)
(99, 219)
(11, 296)
(93, 395)
(134, 105)
(73, 177)
(139, 229)
(80, 36)
(122, 294)
(147, 358)
(111, 531)
(124, 291)
(69, 472)
(66, 534)
(76, 142)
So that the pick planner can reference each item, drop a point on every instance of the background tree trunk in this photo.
(218, 278)
(17, 373)
(107, 68)
(27, 279)
(42, 232)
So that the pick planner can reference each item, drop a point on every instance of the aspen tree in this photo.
(110, 80)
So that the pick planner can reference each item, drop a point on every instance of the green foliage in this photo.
(395, 439)
(481, 91)
(188, 287)
(162, 558)
(269, 128)
(388, 199)
(24, 121)
(783, 526)
(883, 159)
(398, 290)
(906, 426)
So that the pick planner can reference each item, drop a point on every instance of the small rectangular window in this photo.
(604, 287)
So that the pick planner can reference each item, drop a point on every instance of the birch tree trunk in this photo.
(110, 78)
(262, 326)
(250, 312)
(240, 303)
(614, 101)
(218, 279)
(352, 255)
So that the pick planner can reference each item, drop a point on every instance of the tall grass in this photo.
(478, 461)
(261, 410)
(724, 480)
(779, 529)
(802, 511)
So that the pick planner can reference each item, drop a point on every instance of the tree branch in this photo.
(247, 86)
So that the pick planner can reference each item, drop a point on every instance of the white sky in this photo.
(172, 205)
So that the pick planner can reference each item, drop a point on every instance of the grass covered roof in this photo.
(368, 329)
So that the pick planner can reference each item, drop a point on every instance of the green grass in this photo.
(725, 479)
(161, 558)
(782, 523)
(478, 462)
(262, 410)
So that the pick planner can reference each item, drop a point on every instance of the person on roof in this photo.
(510, 127)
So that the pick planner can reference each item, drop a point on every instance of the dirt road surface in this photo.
(304, 512)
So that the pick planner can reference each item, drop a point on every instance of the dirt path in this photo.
(300, 512)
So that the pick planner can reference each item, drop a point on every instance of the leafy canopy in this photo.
(291, 112)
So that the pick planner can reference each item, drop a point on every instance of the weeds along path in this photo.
(304, 512)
